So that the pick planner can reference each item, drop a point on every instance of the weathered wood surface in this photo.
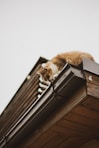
(75, 121)
(72, 125)
(92, 82)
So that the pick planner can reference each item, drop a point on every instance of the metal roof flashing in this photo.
(90, 66)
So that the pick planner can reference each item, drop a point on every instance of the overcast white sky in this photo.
(33, 28)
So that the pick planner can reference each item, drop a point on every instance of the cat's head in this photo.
(45, 72)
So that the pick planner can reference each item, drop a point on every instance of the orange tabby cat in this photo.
(51, 69)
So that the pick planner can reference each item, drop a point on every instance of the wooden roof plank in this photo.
(73, 142)
(86, 112)
(75, 109)
(93, 90)
(82, 120)
(91, 103)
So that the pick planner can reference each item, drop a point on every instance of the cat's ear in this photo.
(39, 70)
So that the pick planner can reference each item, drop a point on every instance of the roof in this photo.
(66, 114)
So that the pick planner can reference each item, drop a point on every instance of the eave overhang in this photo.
(65, 85)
